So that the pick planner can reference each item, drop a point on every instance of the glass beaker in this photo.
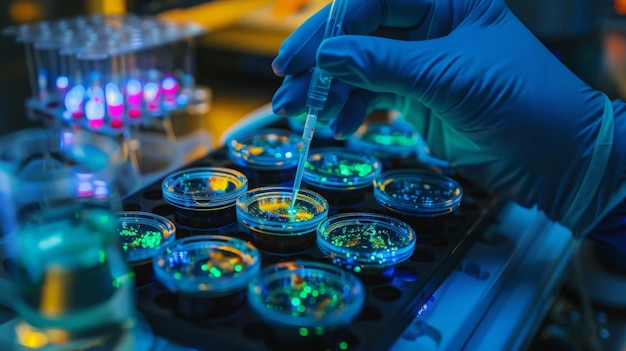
(70, 283)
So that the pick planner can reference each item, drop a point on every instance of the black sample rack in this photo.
(390, 305)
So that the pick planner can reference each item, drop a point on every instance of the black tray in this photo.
(390, 306)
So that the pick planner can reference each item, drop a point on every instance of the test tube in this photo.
(94, 64)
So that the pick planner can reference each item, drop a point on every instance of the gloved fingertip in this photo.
(279, 110)
(276, 67)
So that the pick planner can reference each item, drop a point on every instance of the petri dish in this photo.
(142, 234)
(204, 196)
(206, 265)
(274, 225)
(365, 241)
(419, 193)
(265, 149)
(385, 140)
(336, 168)
(303, 294)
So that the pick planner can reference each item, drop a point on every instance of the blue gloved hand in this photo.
(484, 93)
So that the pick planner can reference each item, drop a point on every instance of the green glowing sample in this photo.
(394, 138)
(367, 237)
(306, 298)
(308, 295)
(143, 233)
(365, 240)
(206, 265)
(209, 263)
(341, 169)
(385, 140)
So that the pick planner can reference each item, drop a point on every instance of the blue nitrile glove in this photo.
(480, 88)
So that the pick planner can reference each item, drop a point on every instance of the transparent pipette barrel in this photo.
(307, 136)
(335, 18)
(318, 92)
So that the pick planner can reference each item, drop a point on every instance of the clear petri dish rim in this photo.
(368, 240)
(281, 196)
(162, 232)
(358, 171)
(209, 283)
(417, 192)
(286, 273)
(225, 185)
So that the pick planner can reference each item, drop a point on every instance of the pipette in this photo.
(317, 93)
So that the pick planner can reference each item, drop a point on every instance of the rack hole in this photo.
(387, 293)
(256, 331)
(163, 210)
(132, 207)
(153, 194)
(407, 274)
(370, 313)
(422, 255)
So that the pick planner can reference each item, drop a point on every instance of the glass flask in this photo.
(71, 286)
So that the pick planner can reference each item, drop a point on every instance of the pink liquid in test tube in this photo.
(134, 92)
(114, 100)
(74, 101)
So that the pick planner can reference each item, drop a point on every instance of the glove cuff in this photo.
(580, 216)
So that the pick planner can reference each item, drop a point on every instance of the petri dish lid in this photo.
(362, 239)
(267, 209)
(341, 169)
(306, 294)
(206, 265)
(204, 187)
(385, 140)
(142, 234)
(265, 149)
(416, 192)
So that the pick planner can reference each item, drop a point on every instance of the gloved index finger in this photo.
(298, 52)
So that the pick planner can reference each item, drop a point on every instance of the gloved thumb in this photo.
(416, 69)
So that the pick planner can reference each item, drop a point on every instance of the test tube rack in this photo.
(104, 72)
(390, 306)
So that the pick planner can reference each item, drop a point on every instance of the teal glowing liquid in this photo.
(69, 274)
